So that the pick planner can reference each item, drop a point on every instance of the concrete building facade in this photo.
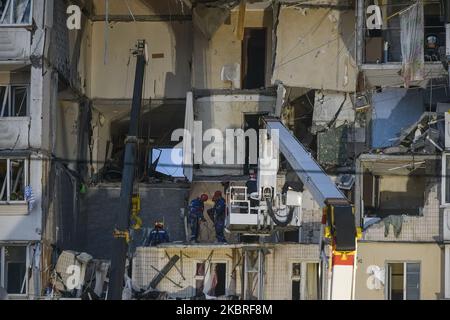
(346, 91)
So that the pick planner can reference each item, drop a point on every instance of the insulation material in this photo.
(412, 40)
(332, 147)
(331, 109)
(66, 261)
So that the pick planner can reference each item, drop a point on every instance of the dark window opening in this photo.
(296, 281)
(395, 281)
(296, 290)
(200, 272)
(155, 147)
(13, 101)
(291, 236)
(221, 279)
(15, 270)
(254, 49)
(390, 194)
(252, 122)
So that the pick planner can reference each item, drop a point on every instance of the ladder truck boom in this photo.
(338, 212)
(122, 220)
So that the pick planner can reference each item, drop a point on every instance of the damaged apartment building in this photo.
(369, 106)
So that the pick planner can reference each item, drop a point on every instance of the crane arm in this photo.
(338, 211)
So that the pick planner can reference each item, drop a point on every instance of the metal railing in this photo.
(15, 13)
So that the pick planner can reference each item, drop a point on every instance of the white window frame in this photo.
(208, 269)
(8, 180)
(2, 267)
(11, 17)
(8, 101)
(387, 278)
(443, 180)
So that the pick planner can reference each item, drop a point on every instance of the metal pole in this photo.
(120, 243)
(360, 32)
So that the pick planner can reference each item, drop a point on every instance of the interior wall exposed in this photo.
(168, 72)
(318, 43)
(224, 48)
(224, 112)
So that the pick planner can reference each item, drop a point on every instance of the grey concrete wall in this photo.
(158, 203)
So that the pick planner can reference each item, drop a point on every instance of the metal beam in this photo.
(322, 188)
(141, 18)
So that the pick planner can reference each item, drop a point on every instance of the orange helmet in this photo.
(204, 197)
(217, 195)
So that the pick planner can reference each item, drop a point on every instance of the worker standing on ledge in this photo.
(158, 235)
(196, 209)
(219, 216)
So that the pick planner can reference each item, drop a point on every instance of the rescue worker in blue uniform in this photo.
(219, 212)
(158, 235)
(196, 209)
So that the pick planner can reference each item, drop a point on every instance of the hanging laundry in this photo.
(396, 221)
(29, 197)
(412, 43)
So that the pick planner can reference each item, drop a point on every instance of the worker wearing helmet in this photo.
(196, 209)
(219, 216)
(158, 235)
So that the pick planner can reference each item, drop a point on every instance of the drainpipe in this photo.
(360, 27)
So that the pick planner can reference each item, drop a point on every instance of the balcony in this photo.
(15, 34)
(413, 37)
(14, 133)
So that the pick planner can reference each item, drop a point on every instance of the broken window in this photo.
(305, 281)
(394, 188)
(199, 278)
(210, 279)
(14, 269)
(403, 281)
(13, 101)
(168, 162)
(252, 123)
(13, 176)
(254, 49)
(15, 12)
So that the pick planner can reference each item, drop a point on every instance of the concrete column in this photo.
(447, 272)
